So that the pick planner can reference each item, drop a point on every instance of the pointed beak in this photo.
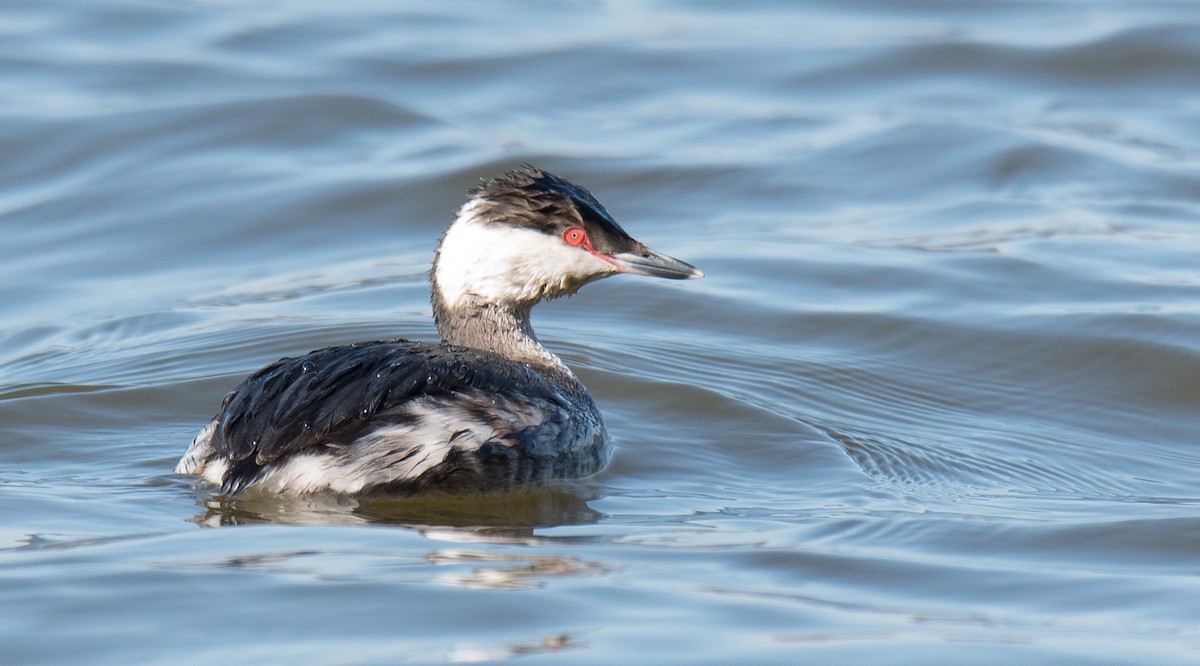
(645, 261)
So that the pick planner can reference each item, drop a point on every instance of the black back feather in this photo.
(331, 396)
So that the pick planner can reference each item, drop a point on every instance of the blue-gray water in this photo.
(938, 399)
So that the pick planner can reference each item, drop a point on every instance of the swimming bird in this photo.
(487, 408)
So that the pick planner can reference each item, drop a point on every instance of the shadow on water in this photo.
(514, 514)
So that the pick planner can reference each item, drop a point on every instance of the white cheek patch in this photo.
(509, 264)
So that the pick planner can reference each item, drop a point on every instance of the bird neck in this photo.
(505, 330)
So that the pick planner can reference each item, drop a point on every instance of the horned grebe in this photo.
(486, 409)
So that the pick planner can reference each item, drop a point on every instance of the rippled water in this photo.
(937, 399)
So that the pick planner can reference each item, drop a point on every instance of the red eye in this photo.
(575, 236)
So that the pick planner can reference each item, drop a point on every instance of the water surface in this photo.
(936, 399)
